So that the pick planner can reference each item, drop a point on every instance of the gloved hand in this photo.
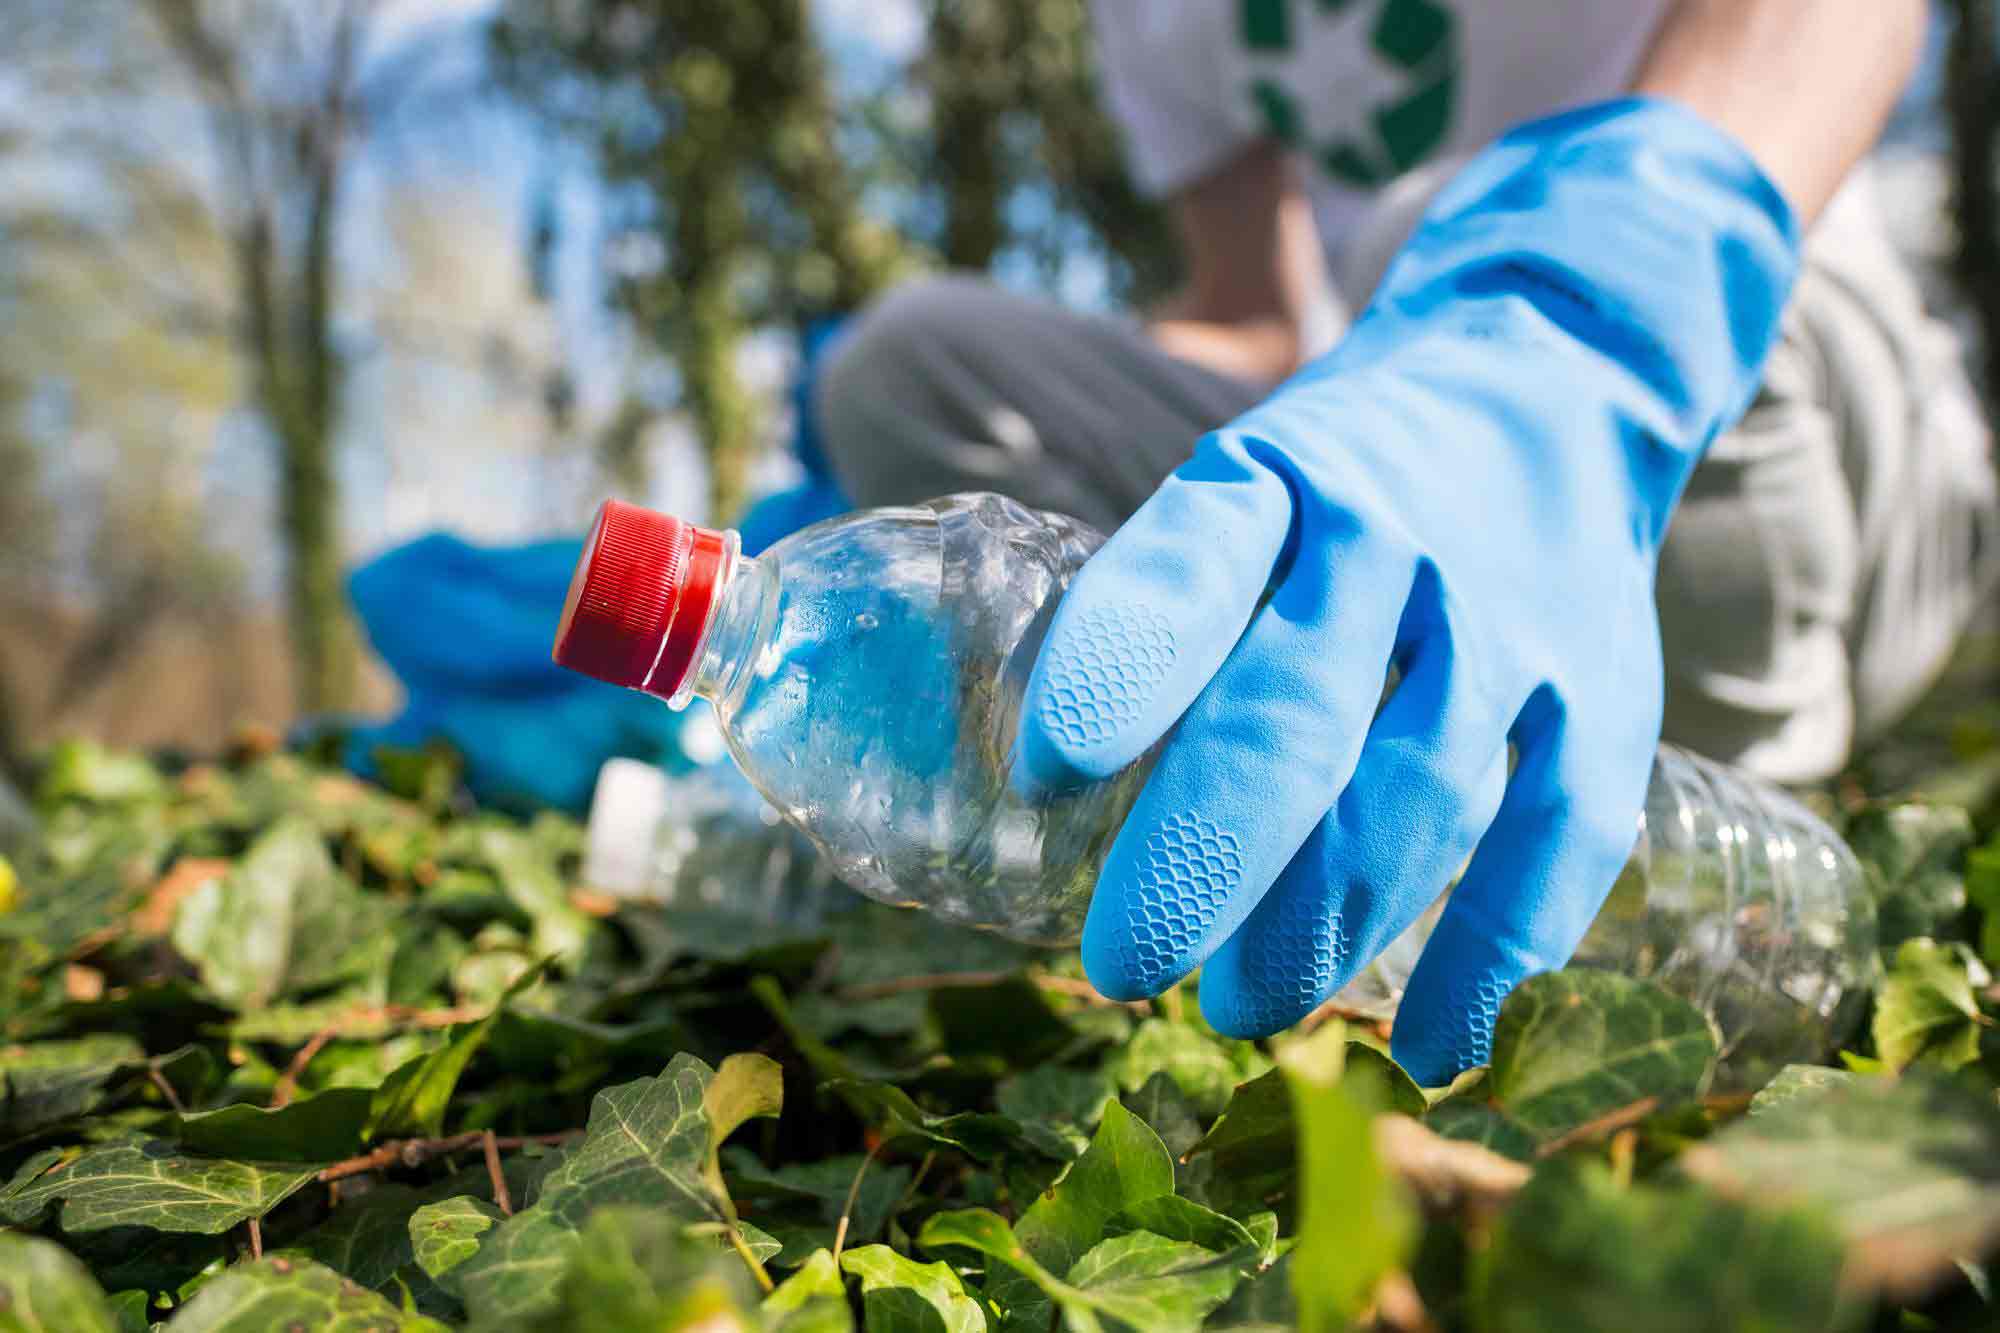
(1472, 489)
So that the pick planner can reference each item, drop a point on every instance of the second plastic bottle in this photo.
(868, 675)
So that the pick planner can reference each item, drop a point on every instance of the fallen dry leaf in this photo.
(155, 916)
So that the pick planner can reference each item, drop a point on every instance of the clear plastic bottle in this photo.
(1738, 899)
(868, 672)
(703, 841)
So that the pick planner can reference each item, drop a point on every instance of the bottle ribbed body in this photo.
(1736, 898)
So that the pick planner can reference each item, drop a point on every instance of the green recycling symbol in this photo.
(1418, 39)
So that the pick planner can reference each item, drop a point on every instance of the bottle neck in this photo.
(745, 613)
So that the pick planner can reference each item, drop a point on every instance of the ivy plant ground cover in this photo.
(279, 1050)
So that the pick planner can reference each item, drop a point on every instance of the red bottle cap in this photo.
(640, 599)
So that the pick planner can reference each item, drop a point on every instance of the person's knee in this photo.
(901, 329)
(871, 397)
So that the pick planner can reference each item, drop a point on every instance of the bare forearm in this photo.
(1806, 85)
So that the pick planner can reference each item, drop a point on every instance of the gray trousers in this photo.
(1827, 554)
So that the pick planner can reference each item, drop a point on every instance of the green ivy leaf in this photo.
(1011, 1020)
(1138, 1281)
(978, 1135)
(1176, 1218)
(1354, 1223)
(277, 1292)
(44, 1289)
(320, 1128)
(1057, 1107)
(638, 1268)
(1156, 1285)
(1474, 1122)
(132, 1309)
(283, 920)
(47, 1082)
(1161, 1103)
(812, 1300)
(367, 1239)
(1796, 1081)
(82, 770)
(1908, 1168)
(1917, 852)
(150, 1184)
(900, 1295)
(445, 1234)
(1205, 1067)
(414, 1098)
(826, 1185)
(1577, 1250)
(1928, 1007)
(1572, 1046)
(1982, 889)
(528, 876)
(1248, 1160)
(650, 1143)
(1125, 1165)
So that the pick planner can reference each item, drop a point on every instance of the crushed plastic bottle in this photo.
(704, 840)
(868, 672)
(1736, 898)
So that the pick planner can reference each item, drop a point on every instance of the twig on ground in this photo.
(501, 1199)
(1398, 1308)
(415, 1152)
(373, 1020)
(166, 1087)
(1347, 1014)
(910, 1190)
(1624, 1155)
(1447, 1176)
(288, 1082)
(847, 1209)
(1608, 1123)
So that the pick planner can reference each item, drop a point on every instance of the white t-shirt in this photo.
(1366, 92)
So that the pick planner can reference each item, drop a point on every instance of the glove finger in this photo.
(1151, 617)
(1565, 828)
(1252, 767)
(1430, 778)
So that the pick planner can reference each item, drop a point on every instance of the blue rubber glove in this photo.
(1472, 489)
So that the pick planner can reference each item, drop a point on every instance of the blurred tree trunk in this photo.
(1972, 94)
(285, 165)
(695, 306)
(756, 105)
(1033, 63)
(972, 84)
(847, 260)
(760, 210)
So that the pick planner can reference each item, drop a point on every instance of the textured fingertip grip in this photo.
(1187, 871)
(1097, 678)
(1438, 1046)
(1281, 970)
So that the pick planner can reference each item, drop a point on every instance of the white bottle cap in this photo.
(630, 800)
